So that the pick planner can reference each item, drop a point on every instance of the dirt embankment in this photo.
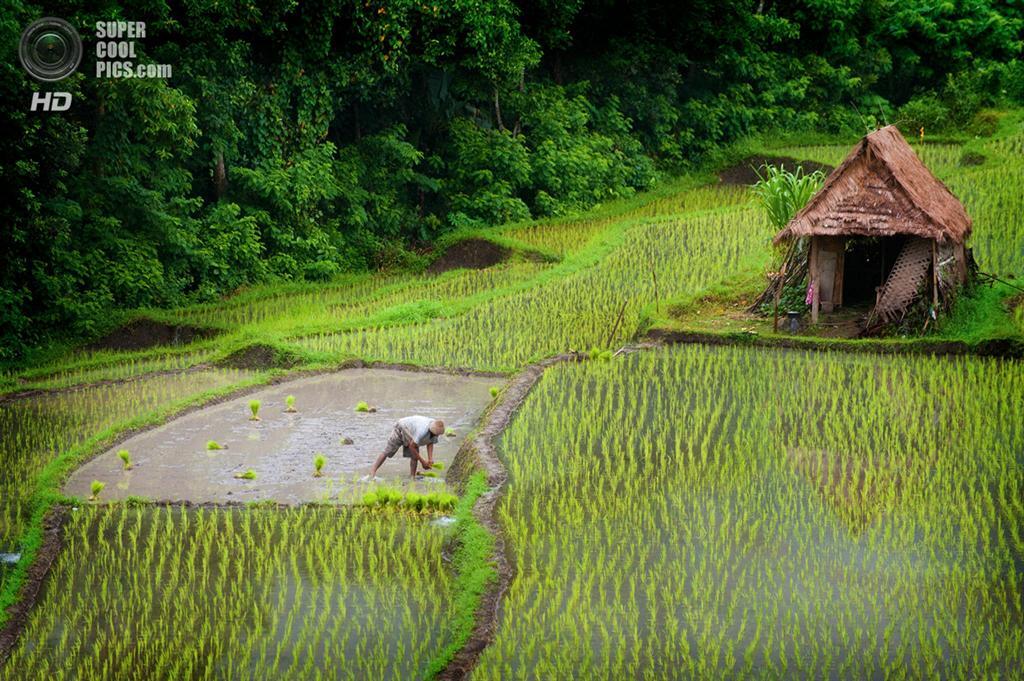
(141, 334)
(999, 347)
(474, 254)
(745, 172)
(53, 539)
(479, 453)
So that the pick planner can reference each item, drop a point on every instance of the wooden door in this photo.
(830, 272)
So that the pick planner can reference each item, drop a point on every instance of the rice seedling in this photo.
(290, 404)
(387, 497)
(746, 512)
(258, 593)
(344, 441)
(318, 464)
(96, 487)
(126, 459)
(213, 445)
(362, 407)
(595, 301)
(494, 391)
(247, 474)
(254, 407)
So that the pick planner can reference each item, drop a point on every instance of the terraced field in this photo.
(697, 511)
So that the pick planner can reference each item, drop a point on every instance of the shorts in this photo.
(395, 441)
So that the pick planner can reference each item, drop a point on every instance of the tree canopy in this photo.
(300, 140)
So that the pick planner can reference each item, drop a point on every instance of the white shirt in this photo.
(417, 429)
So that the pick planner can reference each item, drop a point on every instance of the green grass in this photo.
(474, 572)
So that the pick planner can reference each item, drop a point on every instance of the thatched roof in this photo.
(882, 189)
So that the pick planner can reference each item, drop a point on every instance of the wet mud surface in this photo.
(172, 462)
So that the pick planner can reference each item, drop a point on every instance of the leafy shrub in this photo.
(985, 123)
(489, 169)
(925, 111)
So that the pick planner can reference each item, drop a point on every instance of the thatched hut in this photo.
(882, 231)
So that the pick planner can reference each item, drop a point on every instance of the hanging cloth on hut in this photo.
(905, 281)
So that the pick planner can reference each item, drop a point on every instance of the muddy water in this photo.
(171, 462)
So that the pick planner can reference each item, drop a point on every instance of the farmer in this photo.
(411, 433)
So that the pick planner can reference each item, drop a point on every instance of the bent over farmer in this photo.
(411, 433)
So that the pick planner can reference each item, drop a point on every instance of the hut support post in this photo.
(935, 276)
(814, 279)
(780, 282)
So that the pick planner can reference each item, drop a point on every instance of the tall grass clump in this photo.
(782, 193)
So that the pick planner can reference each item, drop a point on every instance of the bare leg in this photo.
(377, 464)
(412, 467)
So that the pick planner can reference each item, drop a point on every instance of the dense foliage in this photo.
(299, 141)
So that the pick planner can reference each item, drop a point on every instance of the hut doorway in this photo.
(868, 262)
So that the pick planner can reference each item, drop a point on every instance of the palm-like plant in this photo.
(783, 193)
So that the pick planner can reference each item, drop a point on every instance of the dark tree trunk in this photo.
(497, 110)
(220, 176)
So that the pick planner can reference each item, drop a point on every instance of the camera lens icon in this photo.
(50, 49)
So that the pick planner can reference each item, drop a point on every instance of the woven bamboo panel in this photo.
(906, 280)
